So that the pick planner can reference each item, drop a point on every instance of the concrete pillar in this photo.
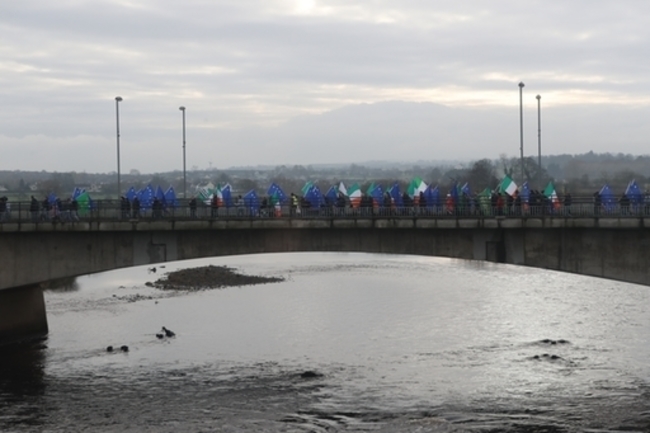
(22, 314)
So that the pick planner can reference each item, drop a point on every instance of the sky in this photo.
(284, 82)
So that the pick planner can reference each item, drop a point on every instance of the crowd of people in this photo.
(57, 210)
(463, 204)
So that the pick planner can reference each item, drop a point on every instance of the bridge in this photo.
(610, 245)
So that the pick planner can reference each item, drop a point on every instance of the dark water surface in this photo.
(397, 344)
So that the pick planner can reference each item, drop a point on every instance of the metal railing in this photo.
(113, 210)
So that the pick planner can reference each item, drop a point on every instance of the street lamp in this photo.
(521, 127)
(539, 137)
(184, 173)
(118, 99)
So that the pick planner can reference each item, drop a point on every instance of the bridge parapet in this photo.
(148, 225)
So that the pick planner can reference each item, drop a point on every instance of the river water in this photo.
(396, 344)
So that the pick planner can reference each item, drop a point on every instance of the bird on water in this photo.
(168, 332)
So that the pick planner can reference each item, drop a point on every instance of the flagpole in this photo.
(539, 137)
(117, 120)
(521, 127)
(184, 173)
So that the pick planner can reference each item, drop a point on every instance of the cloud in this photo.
(250, 70)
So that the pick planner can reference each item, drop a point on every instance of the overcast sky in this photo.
(311, 81)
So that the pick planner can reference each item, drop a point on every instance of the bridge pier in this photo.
(22, 314)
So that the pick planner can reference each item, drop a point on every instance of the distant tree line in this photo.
(580, 174)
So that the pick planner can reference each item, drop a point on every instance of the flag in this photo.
(314, 196)
(170, 197)
(633, 192)
(342, 189)
(355, 195)
(226, 195)
(550, 193)
(160, 195)
(146, 196)
(432, 196)
(205, 195)
(524, 193)
(485, 201)
(377, 194)
(131, 194)
(251, 201)
(305, 188)
(607, 198)
(77, 192)
(331, 195)
(508, 186)
(454, 193)
(85, 203)
(276, 195)
(217, 193)
(416, 186)
(396, 195)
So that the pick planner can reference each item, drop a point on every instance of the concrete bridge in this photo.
(30, 253)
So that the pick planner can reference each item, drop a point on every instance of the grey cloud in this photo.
(238, 65)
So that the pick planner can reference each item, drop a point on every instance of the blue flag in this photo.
(226, 194)
(432, 195)
(396, 195)
(314, 196)
(607, 197)
(131, 194)
(377, 195)
(170, 197)
(160, 195)
(332, 194)
(146, 195)
(251, 201)
(524, 192)
(77, 192)
(633, 192)
(276, 194)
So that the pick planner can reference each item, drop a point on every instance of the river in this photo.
(346, 343)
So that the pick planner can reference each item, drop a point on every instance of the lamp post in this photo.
(118, 99)
(539, 138)
(521, 127)
(184, 173)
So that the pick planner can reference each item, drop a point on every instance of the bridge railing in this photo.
(113, 210)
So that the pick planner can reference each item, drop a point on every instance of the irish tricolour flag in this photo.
(550, 193)
(355, 195)
(508, 186)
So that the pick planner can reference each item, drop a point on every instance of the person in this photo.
(597, 203)
(3, 209)
(34, 207)
(408, 204)
(136, 207)
(193, 207)
(264, 208)
(239, 203)
(124, 207)
(422, 203)
(294, 205)
(624, 203)
(156, 208)
(568, 200)
(214, 206)
(387, 204)
(45, 210)
(340, 204)
(74, 209)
